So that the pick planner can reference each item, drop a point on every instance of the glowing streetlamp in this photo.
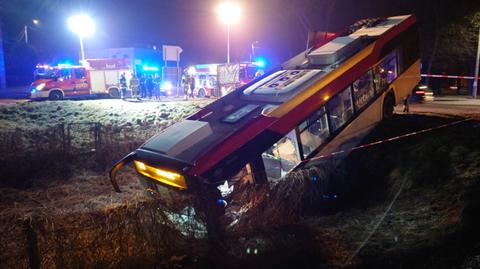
(83, 26)
(25, 29)
(229, 13)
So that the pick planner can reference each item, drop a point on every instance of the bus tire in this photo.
(388, 105)
(55, 95)
(114, 93)
(201, 93)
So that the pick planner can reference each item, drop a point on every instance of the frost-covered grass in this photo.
(437, 174)
(141, 114)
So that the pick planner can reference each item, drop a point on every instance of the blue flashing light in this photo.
(222, 202)
(150, 68)
(65, 65)
(260, 62)
(314, 178)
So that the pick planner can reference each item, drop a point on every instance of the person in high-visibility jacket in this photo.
(186, 84)
(123, 85)
(135, 86)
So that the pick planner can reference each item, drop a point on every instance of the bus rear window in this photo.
(240, 113)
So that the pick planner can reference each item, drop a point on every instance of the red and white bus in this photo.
(316, 103)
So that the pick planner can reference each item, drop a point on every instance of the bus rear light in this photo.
(161, 175)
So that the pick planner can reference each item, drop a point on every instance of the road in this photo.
(448, 105)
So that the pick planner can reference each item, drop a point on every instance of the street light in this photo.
(83, 26)
(25, 29)
(229, 13)
(477, 63)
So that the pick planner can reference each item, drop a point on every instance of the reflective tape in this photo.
(446, 76)
(383, 141)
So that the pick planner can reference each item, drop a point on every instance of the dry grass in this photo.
(70, 216)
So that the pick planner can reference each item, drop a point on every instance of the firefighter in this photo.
(143, 88)
(192, 85)
(135, 86)
(185, 83)
(123, 85)
(150, 85)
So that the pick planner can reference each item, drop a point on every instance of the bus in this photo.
(315, 103)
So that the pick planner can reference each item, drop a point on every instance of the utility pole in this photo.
(475, 80)
(25, 32)
(3, 81)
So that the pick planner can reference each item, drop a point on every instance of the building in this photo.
(141, 59)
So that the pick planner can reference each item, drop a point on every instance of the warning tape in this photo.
(446, 76)
(348, 151)
(383, 141)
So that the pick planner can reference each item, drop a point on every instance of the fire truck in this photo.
(232, 76)
(205, 80)
(97, 77)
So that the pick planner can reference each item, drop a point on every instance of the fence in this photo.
(57, 151)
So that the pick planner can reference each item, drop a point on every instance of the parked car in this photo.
(422, 93)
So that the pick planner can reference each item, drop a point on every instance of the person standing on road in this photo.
(143, 89)
(123, 85)
(406, 106)
(185, 84)
(157, 81)
(192, 85)
(135, 86)
(150, 86)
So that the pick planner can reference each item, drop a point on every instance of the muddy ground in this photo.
(410, 203)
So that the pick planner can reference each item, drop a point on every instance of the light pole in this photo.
(25, 29)
(475, 79)
(83, 26)
(229, 13)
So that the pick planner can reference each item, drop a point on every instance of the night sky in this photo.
(281, 26)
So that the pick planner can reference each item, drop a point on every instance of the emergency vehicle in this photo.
(205, 80)
(232, 76)
(97, 77)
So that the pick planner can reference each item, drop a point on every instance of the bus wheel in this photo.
(114, 93)
(55, 95)
(388, 105)
(201, 93)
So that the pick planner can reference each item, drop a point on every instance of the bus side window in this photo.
(281, 157)
(340, 109)
(363, 90)
(313, 132)
(386, 71)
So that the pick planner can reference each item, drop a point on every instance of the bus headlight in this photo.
(161, 175)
